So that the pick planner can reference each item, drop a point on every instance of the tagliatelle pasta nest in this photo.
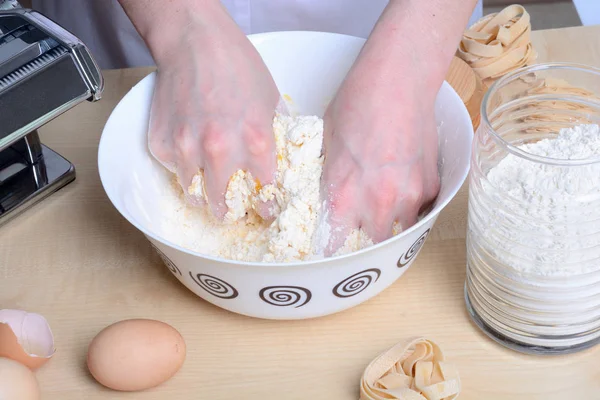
(554, 104)
(558, 110)
(411, 370)
(498, 43)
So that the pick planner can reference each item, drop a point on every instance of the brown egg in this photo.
(17, 382)
(136, 354)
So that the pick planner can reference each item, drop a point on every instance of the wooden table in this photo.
(75, 260)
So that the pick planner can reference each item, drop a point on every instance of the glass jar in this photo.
(533, 239)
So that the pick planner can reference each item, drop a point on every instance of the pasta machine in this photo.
(44, 71)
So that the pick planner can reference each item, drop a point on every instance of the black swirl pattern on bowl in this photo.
(356, 283)
(170, 264)
(215, 286)
(285, 296)
(412, 250)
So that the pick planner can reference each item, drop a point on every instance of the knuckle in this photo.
(258, 142)
(386, 198)
(386, 190)
(183, 141)
(181, 132)
(214, 143)
(414, 189)
(414, 196)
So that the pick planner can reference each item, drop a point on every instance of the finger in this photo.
(262, 153)
(217, 177)
(263, 166)
(161, 147)
(219, 153)
(187, 164)
(220, 164)
(267, 210)
(382, 197)
(193, 185)
(377, 221)
(406, 218)
(164, 158)
(339, 220)
(411, 201)
(339, 214)
(431, 182)
(339, 230)
(163, 155)
(430, 191)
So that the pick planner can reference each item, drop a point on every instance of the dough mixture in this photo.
(299, 231)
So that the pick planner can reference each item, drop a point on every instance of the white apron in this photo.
(104, 27)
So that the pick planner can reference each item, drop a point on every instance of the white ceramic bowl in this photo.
(308, 66)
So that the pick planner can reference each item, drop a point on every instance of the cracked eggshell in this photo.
(26, 338)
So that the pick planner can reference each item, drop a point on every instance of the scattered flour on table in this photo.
(298, 232)
(546, 219)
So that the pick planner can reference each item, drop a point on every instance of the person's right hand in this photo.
(213, 108)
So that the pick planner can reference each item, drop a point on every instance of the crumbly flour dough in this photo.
(541, 219)
(299, 231)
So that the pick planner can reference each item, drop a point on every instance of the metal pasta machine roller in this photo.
(44, 71)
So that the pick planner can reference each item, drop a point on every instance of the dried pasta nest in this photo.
(498, 43)
(411, 370)
(554, 114)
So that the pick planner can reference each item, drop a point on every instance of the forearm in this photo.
(166, 25)
(413, 42)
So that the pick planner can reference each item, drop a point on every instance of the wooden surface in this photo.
(75, 260)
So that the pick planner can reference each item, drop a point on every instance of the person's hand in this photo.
(212, 110)
(381, 143)
(381, 149)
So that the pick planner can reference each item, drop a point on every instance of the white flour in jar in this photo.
(297, 232)
(542, 219)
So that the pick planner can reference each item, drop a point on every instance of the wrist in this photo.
(166, 29)
(413, 43)
(395, 76)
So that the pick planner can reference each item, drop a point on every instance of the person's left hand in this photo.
(381, 149)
